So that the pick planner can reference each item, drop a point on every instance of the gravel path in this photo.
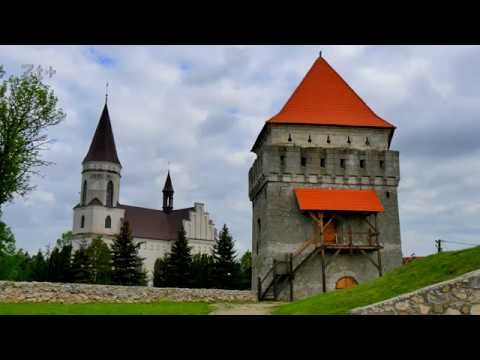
(263, 308)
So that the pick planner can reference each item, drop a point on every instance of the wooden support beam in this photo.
(290, 270)
(370, 259)
(380, 268)
(275, 279)
(324, 280)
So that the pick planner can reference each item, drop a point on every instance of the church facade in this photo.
(100, 212)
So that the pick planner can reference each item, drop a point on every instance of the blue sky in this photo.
(201, 107)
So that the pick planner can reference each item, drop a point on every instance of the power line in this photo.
(459, 242)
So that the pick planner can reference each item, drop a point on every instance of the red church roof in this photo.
(338, 200)
(324, 98)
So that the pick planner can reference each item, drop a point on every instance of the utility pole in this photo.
(438, 245)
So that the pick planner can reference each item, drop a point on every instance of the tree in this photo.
(59, 264)
(160, 269)
(39, 267)
(202, 271)
(81, 265)
(28, 107)
(101, 261)
(178, 271)
(127, 266)
(65, 240)
(7, 240)
(226, 269)
(246, 269)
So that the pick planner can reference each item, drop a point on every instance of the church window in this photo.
(108, 222)
(342, 163)
(289, 137)
(303, 161)
(322, 162)
(382, 164)
(388, 194)
(110, 194)
(82, 221)
(362, 163)
(366, 141)
(328, 139)
(348, 140)
(282, 160)
(84, 192)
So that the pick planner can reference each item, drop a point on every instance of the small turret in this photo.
(168, 194)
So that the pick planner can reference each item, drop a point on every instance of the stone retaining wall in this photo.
(453, 297)
(16, 292)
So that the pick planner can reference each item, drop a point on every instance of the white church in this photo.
(100, 212)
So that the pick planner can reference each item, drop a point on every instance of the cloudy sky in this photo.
(201, 107)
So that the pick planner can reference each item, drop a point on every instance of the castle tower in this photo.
(97, 211)
(168, 194)
(324, 192)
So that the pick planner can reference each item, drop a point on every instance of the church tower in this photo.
(323, 189)
(97, 212)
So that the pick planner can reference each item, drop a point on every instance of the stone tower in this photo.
(324, 192)
(97, 212)
(168, 194)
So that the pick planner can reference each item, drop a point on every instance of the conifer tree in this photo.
(202, 271)
(127, 266)
(160, 271)
(82, 266)
(226, 268)
(246, 270)
(101, 261)
(180, 260)
(39, 267)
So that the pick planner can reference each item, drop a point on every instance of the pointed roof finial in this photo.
(106, 93)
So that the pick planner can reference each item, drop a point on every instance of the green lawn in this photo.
(160, 308)
(407, 278)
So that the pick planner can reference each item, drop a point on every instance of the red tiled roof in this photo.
(338, 200)
(324, 98)
(155, 224)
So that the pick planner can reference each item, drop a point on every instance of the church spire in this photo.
(168, 194)
(103, 147)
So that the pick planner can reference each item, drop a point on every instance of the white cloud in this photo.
(201, 108)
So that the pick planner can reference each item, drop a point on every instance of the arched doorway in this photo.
(330, 231)
(346, 282)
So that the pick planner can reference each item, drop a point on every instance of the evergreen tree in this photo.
(202, 271)
(59, 264)
(226, 268)
(7, 240)
(101, 261)
(160, 271)
(82, 266)
(179, 264)
(246, 270)
(127, 266)
(39, 267)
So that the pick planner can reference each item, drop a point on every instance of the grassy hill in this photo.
(417, 274)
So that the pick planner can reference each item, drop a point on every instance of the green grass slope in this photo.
(160, 308)
(415, 275)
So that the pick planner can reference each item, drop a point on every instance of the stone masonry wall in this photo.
(453, 297)
(16, 292)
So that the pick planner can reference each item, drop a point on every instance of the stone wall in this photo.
(15, 292)
(453, 297)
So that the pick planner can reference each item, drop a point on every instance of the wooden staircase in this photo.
(283, 272)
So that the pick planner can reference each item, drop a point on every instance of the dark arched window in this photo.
(82, 221)
(84, 192)
(110, 194)
(108, 222)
